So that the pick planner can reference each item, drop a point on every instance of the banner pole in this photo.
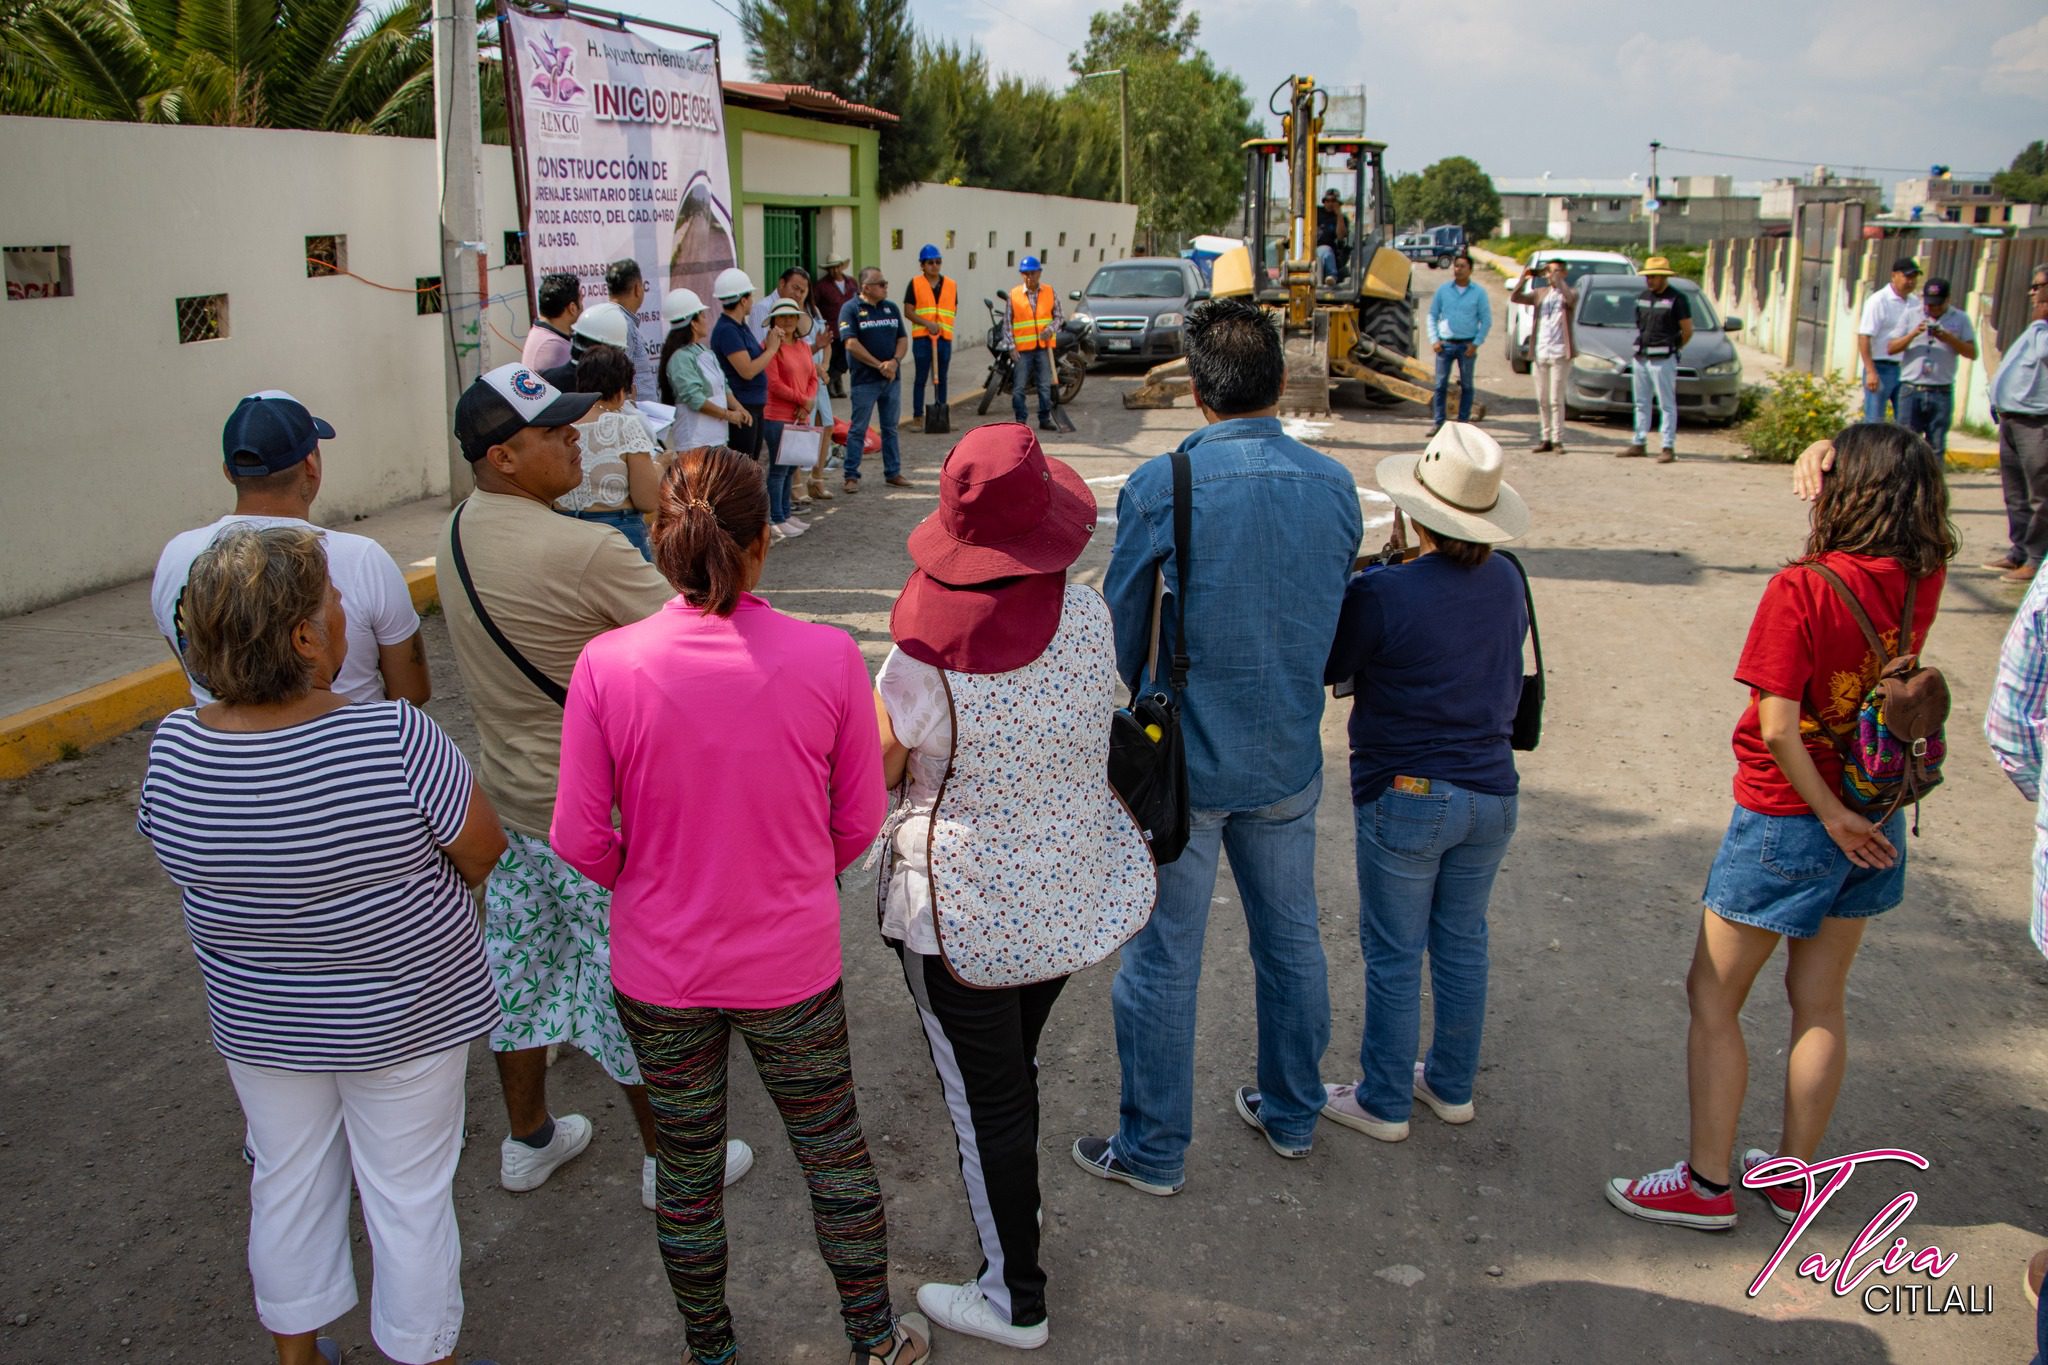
(515, 127)
(458, 141)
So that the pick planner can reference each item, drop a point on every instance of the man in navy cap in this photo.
(271, 454)
(1931, 337)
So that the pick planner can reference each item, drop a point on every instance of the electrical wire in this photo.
(1006, 14)
(1812, 161)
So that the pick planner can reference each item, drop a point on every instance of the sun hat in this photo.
(604, 322)
(837, 258)
(1454, 487)
(508, 400)
(732, 283)
(1027, 265)
(787, 307)
(680, 305)
(268, 433)
(988, 589)
(1657, 265)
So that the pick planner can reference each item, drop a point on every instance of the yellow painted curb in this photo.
(1973, 459)
(70, 725)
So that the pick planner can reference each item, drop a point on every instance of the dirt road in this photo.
(123, 1202)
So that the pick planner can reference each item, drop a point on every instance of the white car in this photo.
(1520, 329)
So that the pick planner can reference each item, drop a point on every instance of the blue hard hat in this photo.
(928, 252)
(1027, 265)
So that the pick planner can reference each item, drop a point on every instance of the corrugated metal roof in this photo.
(806, 101)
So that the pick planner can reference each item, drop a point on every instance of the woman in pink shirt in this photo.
(740, 749)
(792, 386)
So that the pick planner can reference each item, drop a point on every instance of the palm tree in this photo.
(325, 64)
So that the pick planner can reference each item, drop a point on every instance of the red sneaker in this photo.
(1785, 1200)
(1669, 1196)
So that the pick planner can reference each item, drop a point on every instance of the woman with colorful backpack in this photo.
(1841, 732)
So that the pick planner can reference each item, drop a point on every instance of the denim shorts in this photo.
(1783, 873)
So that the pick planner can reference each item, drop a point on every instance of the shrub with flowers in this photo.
(1796, 410)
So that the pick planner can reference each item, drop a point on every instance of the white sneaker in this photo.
(522, 1168)
(739, 1159)
(963, 1308)
(789, 529)
(776, 532)
(798, 522)
(1443, 1109)
(1343, 1107)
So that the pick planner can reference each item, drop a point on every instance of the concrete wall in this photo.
(983, 233)
(111, 442)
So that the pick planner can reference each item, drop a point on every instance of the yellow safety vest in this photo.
(934, 315)
(1028, 317)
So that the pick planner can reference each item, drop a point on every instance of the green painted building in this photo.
(803, 174)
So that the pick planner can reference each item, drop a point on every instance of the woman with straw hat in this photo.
(1434, 646)
(1011, 863)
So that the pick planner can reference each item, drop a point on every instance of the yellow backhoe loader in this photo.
(1347, 310)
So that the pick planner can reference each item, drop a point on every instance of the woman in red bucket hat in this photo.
(1010, 861)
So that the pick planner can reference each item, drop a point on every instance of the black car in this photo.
(1137, 307)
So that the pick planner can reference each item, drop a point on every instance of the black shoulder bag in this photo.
(553, 690)
(1529, 711)
(1148, 764)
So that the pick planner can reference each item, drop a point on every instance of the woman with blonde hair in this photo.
(325, 854)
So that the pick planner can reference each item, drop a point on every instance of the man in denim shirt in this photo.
(1276, 528)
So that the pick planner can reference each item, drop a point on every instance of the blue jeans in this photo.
(1034, 369)
(1273, 857)
(1885, 395)
(1928, 411)
(1425, 872)
(1656, 381)
(1465, 354)
(1326, 263)
(778, 474)
(631, 525)
(921, 357)
(885, 402)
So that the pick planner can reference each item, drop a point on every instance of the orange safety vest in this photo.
(930, 314)
(1027, 320)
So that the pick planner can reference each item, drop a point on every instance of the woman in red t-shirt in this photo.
(1797, 863)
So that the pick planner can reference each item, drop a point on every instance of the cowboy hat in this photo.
(1657, 265)
(1454, 487)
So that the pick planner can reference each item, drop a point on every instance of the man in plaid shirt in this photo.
(2017, 725)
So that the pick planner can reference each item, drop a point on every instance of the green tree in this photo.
(1187, 117)
(2026, 180)
(861, 50)
(1403, 192)
(325, 64)
(1455, 190)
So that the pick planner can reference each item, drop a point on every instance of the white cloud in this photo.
(2019, 62)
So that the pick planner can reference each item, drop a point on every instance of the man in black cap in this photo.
(1882, 314)
(1931, 336)
(270, 450)
(524, 589)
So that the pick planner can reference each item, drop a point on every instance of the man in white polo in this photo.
(1883, 312)
(270, 451)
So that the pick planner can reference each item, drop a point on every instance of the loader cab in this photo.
(1351, 166)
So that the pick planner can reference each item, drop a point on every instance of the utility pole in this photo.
(1123, 118)
(1656, 199)
(458, 142)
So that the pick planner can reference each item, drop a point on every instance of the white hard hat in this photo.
(605, 322)
(680, 305)
(732, 283)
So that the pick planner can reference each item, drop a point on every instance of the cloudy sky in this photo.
(1580, 87)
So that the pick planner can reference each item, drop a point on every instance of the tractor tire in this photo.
(1391, 326)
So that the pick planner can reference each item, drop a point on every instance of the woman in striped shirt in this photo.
(325, 853)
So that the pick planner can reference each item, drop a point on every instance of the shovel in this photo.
(1059, 414)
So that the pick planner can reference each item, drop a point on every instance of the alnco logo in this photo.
(558, 117)
(1862, 1258)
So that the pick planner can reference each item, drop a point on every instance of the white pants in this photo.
(1549, 375)
(1656, 381)
(401, 1130)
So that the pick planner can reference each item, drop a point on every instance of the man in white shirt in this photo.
(271, 450)
(1554, 301)
(1930, 338)
(1882, 313)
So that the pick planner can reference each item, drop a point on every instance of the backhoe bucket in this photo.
(1163, 384)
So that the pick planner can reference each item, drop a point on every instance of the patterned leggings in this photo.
(801, 1054)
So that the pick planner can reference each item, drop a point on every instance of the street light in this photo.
(1123, 118)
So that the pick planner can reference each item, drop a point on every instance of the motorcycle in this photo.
(1074, 350)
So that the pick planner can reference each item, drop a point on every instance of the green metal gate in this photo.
(787, 239)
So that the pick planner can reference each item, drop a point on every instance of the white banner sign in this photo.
(624, 149)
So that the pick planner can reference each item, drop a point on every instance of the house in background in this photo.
(1973, 203)
(1783, 198)
(1694, 210)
